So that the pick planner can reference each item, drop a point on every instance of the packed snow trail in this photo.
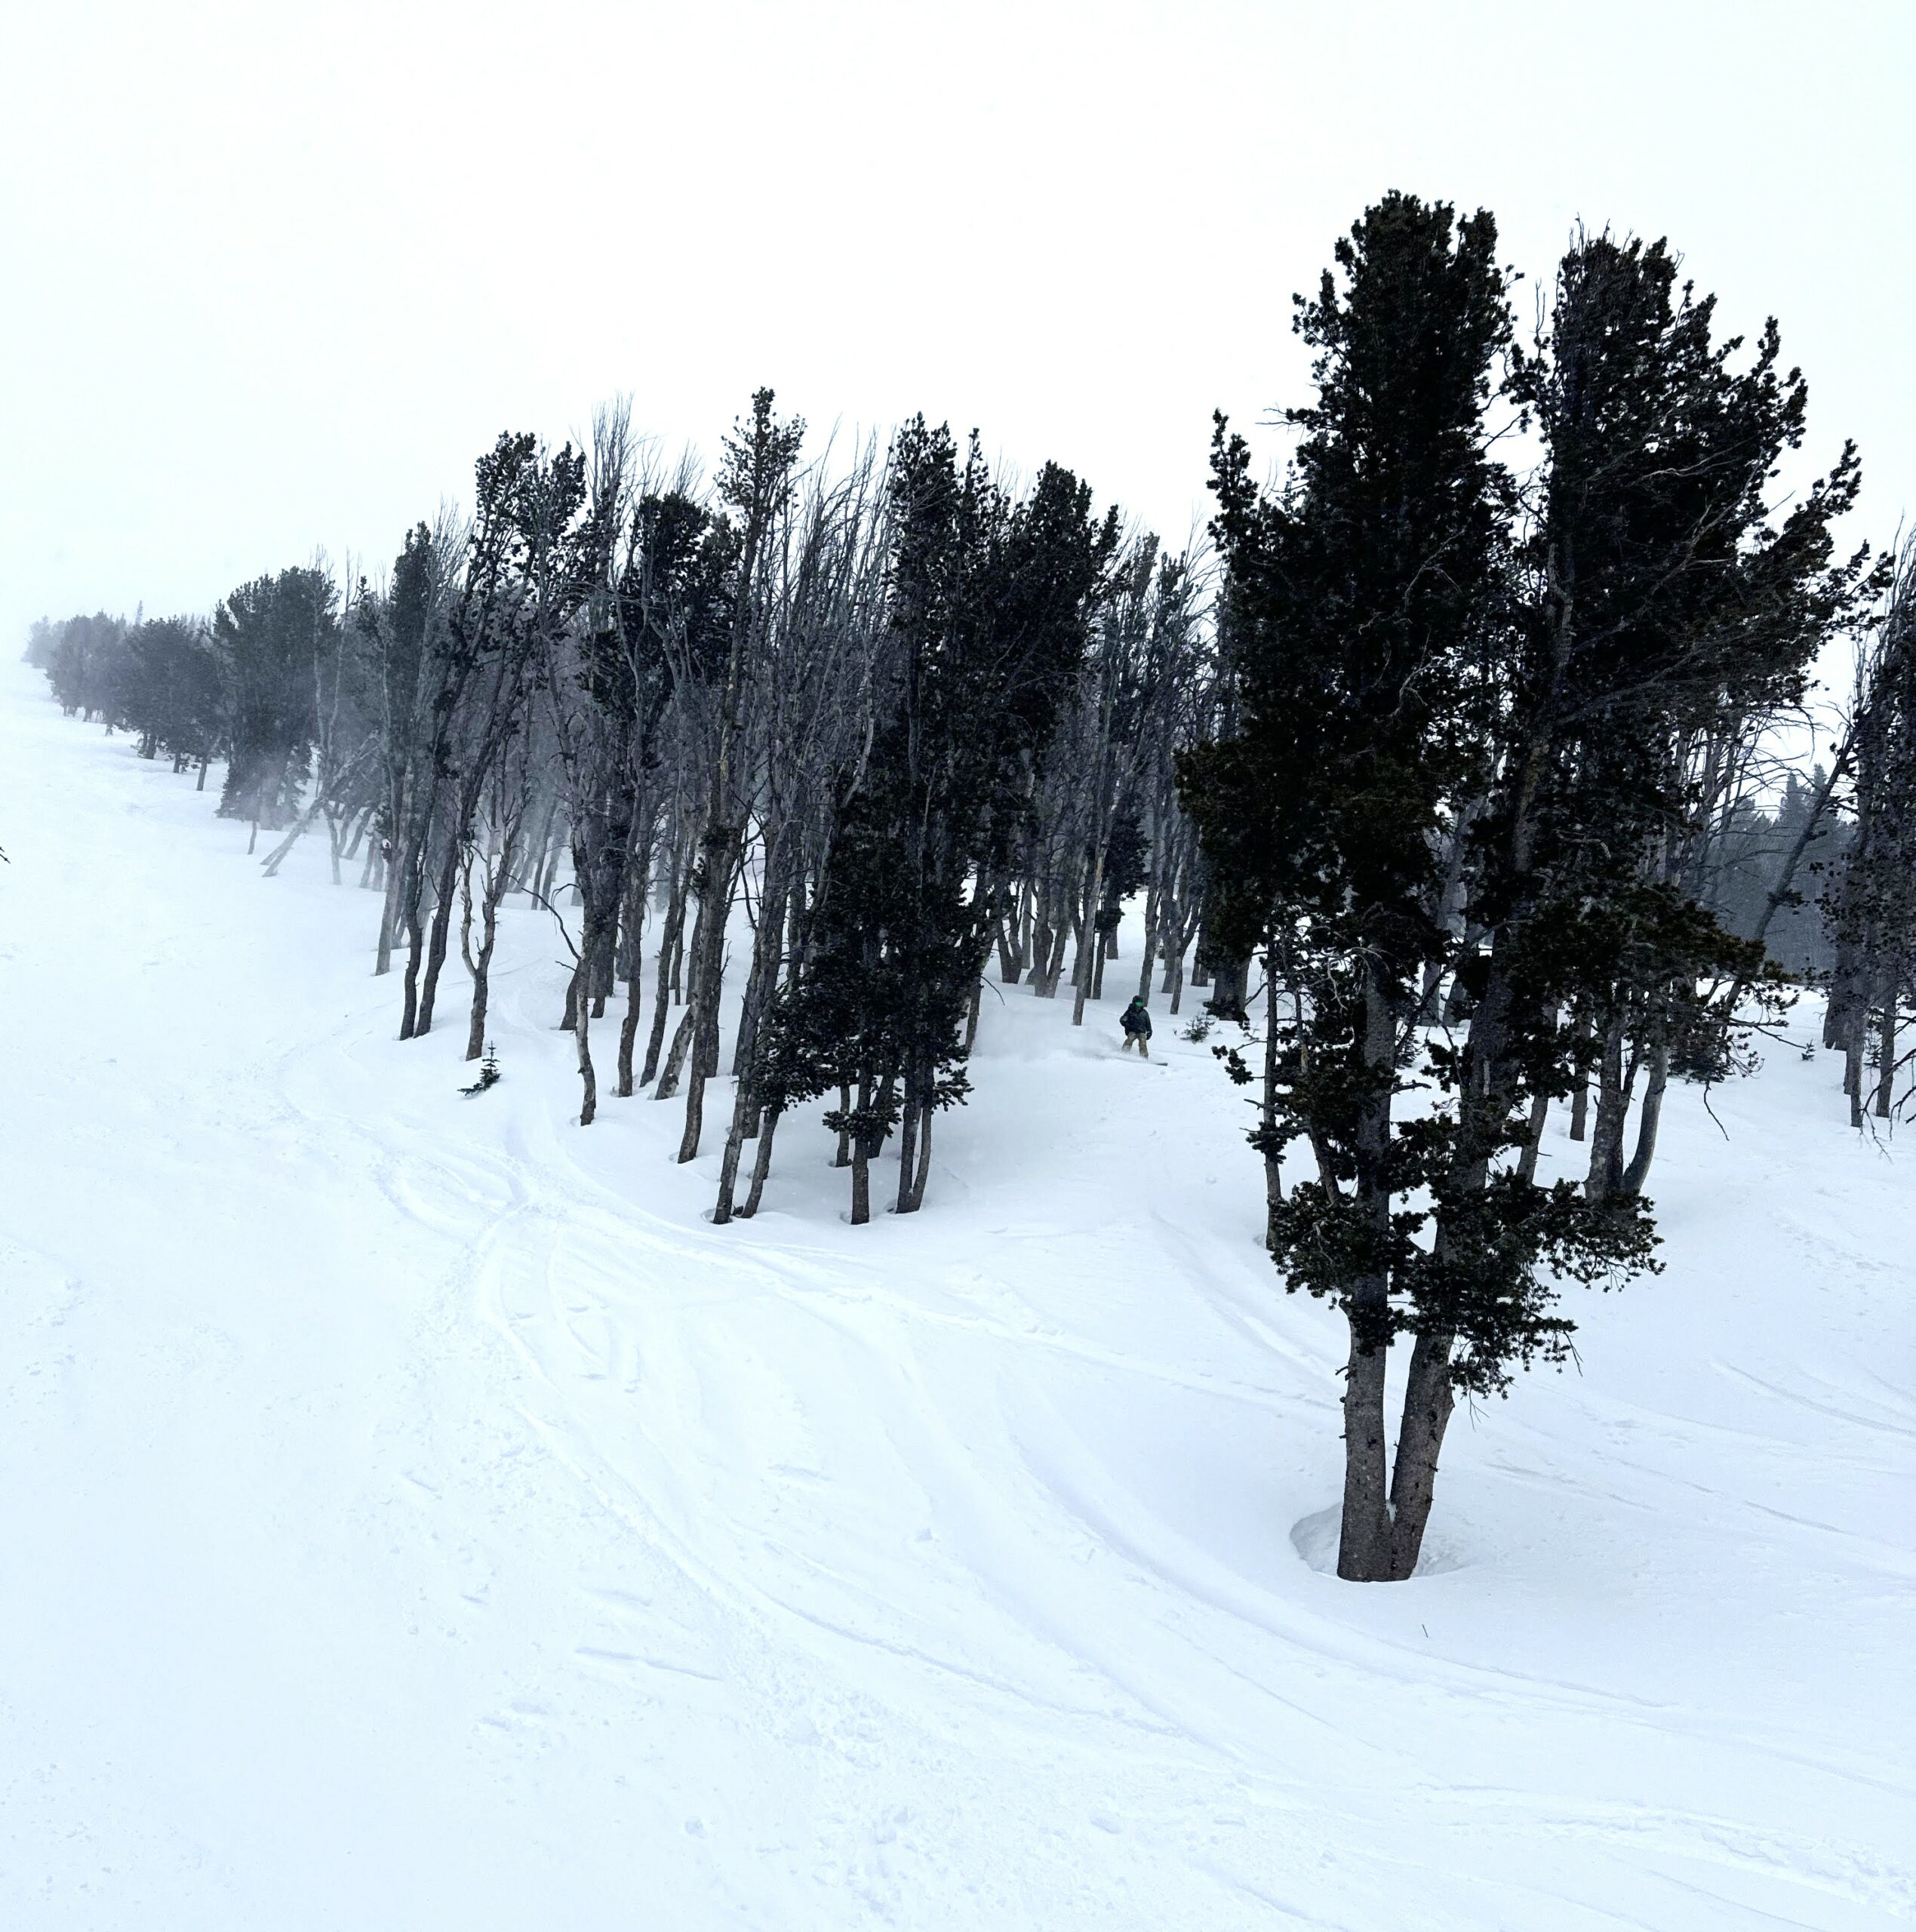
(414, 1513)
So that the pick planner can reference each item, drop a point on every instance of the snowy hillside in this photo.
(413, 1514)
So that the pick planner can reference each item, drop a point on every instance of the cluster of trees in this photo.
(1496, 741)
(897, 712)
(1872, 900)
(1447, 781)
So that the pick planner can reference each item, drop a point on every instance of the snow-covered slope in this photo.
(413, 1514)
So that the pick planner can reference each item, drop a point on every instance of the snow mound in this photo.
(1314, 1538)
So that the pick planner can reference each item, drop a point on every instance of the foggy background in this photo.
(275, 275)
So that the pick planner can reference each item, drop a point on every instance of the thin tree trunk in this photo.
(415, 951)
(1047, 987)
(441, 936)
(668, 948)
(861, 1151)
(582, 1031)
(907, 1147)
(1533, 1135)
(495, 889)
(1273, 1155)
(1580, 1094)
(1365, 1552)
(728, 1165)
(1886, 1048)
(389, 922)
(631, 926)
(1151, 940)
(1364, 1541)
(1429, 1399)
(761, 1162)
(1082, 967)
(924, 1173)
(1650, 1116)
(1613, 1107)
(720, 852)
(681, 1044)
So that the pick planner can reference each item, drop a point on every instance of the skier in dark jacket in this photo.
(1136, 1020)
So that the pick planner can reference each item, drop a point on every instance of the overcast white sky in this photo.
(274, 274)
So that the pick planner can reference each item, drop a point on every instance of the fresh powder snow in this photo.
(414, 1513)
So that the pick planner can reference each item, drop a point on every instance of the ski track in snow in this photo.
(415, 1513)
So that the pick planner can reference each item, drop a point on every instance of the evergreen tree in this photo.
(171, 690)
(268, 636)
(991, 603)
(1413, 681)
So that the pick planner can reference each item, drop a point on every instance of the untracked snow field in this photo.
(413, 1514)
